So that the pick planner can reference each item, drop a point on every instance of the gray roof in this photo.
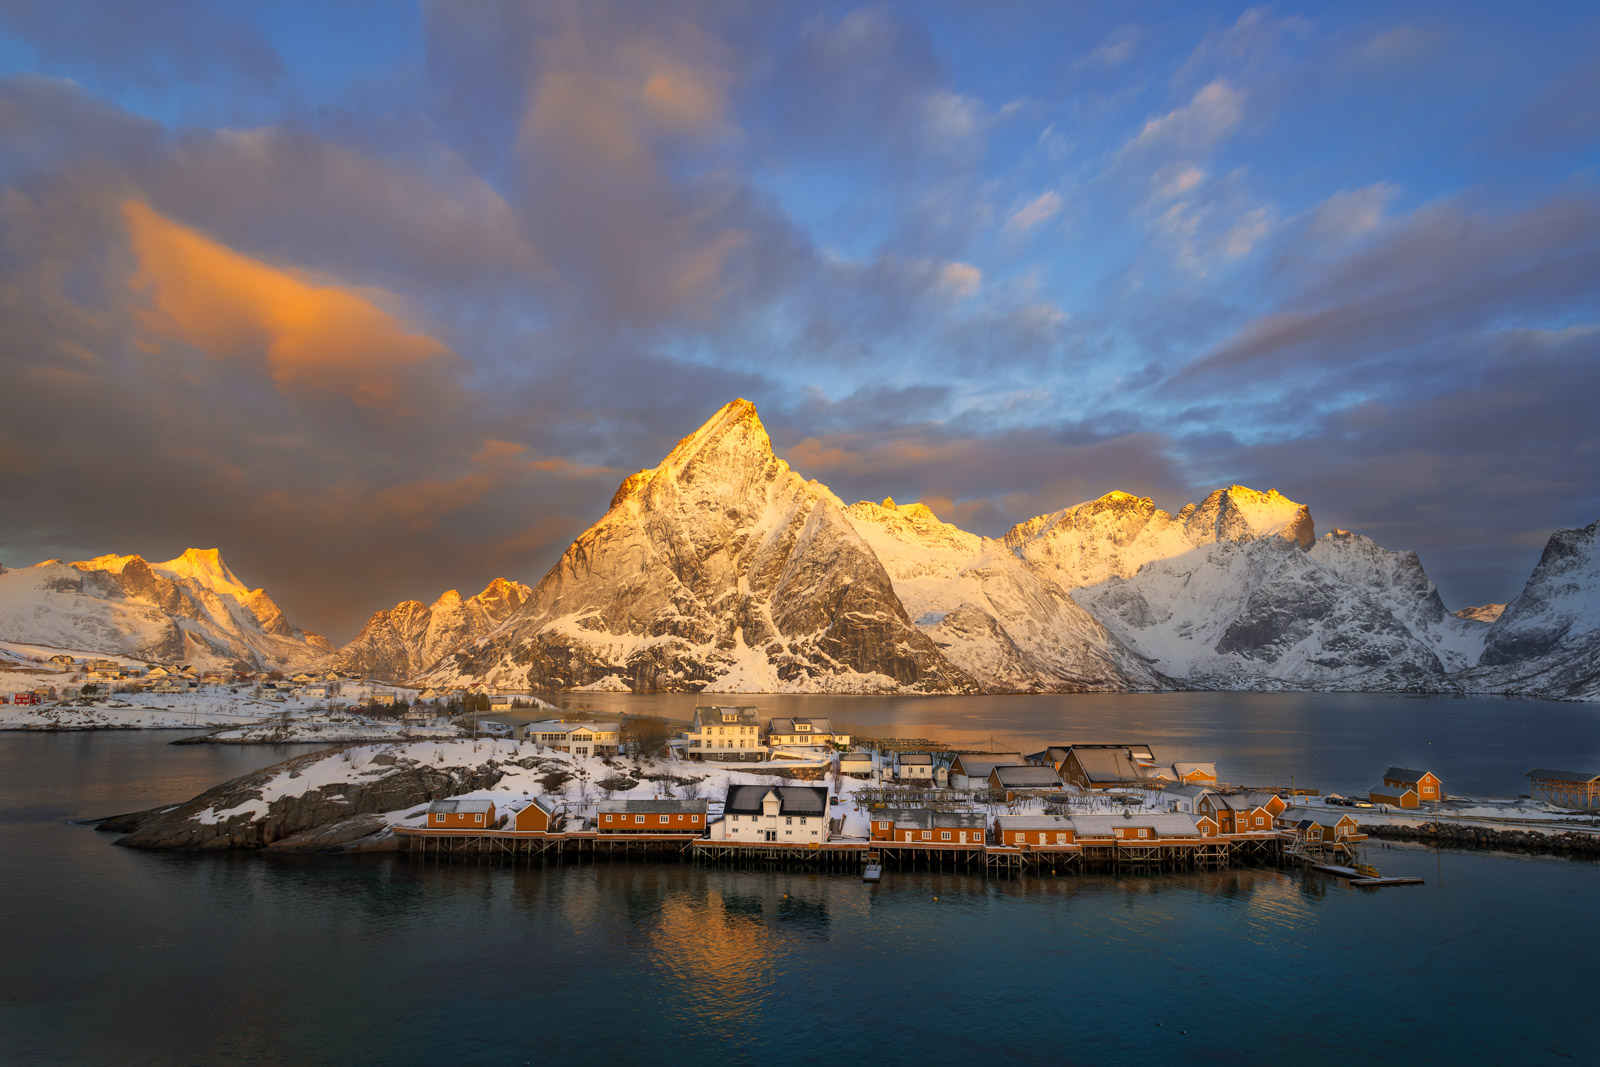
(1259, 799)
(1395, 791)
(1320, 816)
(1033, 822)
(916, 759)
(717, 716)
(1189, 767)
(1221, 800)
(1562, 776)
(1027, 776)
(1404, 774)
(979, 764)
(787, 726)
(1103, 763)
(453, 806)
(792, 799)
(1165, 825)
(928, 819)
(663, 806)
(1195, 791)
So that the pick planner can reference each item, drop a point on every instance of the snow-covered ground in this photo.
(1489, 813)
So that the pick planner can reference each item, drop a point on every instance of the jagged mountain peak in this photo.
(735, 431)
(1239, 513)
(204, 565)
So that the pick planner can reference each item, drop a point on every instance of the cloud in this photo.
(1041, 208)
(1197, 126)
(312, 339)
(1351, 213)
(1443, 270)
(1114, 50)
(962, 279)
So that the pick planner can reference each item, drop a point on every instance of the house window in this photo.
(608, 818)
(1061, 839)
(927, 835)
(478, 817)
(666, 819)
(944, 835)
(803, 820)
(1144, 833)
(789, 821)
(638, 818)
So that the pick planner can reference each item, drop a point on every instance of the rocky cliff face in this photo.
(720, 568)
(404, 641)
(191, 609)
(1547, 640)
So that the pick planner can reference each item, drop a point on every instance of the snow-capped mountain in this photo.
(723, 569)
(1005, 624)
(192, 609)
(720, 568)
(1547, 641)
(1237, 592)
(405, 640)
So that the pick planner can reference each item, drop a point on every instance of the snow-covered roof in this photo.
(1195, 791)
(456, 806)
(1320, 816)
(1183, 768)
(1026, 776)
(723, 715)
(1033, 822)
(1391, 792)
(659, 806)
(928, 819)
(979, 764)
(1167, 825)
(915, 759)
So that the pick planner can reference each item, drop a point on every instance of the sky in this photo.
(384, 299)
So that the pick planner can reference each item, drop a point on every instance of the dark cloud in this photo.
(149, 45)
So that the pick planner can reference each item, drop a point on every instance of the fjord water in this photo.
(118, 957)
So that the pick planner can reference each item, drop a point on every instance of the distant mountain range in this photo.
(722, 569)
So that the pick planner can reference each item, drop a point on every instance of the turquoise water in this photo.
(118, 957)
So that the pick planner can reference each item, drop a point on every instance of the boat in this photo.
(873, 871)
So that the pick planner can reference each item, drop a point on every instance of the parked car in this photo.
(1361, 803)
(1335, 798)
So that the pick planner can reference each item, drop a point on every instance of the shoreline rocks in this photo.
(1482, 838)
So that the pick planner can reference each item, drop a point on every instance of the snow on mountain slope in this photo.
(1235, 592)
(191, 609)
(404, 641)
(719, 569)
(1547, 641)
(994, 617)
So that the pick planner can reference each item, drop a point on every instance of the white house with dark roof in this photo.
(801, 731)
(725, 733)
(773, 815)
(970, 770)
(1029, 779)
(1184, 798)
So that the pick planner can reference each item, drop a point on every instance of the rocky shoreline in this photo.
(1444, 835)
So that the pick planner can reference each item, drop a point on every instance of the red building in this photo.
(24, 698)
(658, 816)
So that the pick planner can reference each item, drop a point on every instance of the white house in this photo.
(725, 733)
(1184, 798)
(914, 767)
(855, 763)
(578, 738)
(773, 814)
(804, 732)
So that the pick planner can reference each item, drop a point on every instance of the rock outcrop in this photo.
(404, 641)
(315, 802)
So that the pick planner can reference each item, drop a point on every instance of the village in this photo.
(838, 801)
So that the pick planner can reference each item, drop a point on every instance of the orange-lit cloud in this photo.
(312, 339)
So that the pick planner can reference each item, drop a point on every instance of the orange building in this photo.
(539, 815)
(1236, 813)
(457, 814)
(658, 816)
(1405, 788)
(927, 827)
(1035, 831)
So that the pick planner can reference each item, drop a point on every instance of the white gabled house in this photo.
(774, 815)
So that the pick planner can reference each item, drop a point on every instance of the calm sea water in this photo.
(117, 957)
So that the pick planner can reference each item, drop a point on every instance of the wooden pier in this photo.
(852, 855)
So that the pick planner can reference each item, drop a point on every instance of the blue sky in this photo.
(392, 297)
